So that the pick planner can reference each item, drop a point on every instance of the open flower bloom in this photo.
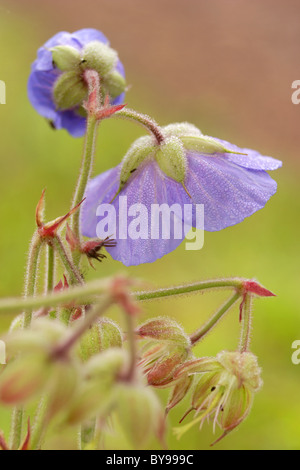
(224, 389)
(187, 172)
(56, 87)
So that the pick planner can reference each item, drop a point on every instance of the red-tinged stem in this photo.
(147, 122)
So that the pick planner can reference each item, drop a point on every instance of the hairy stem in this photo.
(190, 288)
(199, 334)
(151, 126)
(31, 274)
(130, 375)
(71, 268)
(246, 324)
(39, 427)
(50, 269)
(85, 171)
(85, 293)
(30, 286)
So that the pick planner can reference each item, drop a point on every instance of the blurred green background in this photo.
(228, 68)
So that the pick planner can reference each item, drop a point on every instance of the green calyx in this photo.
(66, 58)
(204, 144)
(171, 157)
(171, 153)
(142, 149)
(100, 57)
(70, 89)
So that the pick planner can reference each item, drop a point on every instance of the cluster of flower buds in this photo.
(32, 370)
(81, 384)
(224, 389)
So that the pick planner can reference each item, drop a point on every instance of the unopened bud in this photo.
(140, 413)
(103, 335)
(167, 348)
(97, 391)
(164, 329)
(162, 372)
(23, 379)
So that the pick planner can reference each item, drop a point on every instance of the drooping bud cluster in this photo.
(224, 389)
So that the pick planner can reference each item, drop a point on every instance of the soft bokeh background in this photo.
(225, 66)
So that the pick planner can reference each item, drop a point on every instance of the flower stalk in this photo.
(212, 322)
(246, 324)
(144, 120)
(93, 289)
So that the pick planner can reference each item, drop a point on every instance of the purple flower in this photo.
(56, 87)
(187, 170)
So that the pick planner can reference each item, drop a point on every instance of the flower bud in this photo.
(33, 370)
(163, 329)
(140, 413)
(162, 371)
(65, 57)
(168, 347)
(103, 335)
(23, 379)
(97, 389)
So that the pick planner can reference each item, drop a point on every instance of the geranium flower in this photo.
(56, 86)
(186, 169)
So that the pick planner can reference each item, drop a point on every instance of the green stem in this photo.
(72, 270)
(246, 324)
(85, 293)
(151, 126)
(31, 274)
(190, 288)
(199, 334)
(16, 428)
(131, 338)
(39, 427)
(50, 269)
(85, 173)
(30, 286)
